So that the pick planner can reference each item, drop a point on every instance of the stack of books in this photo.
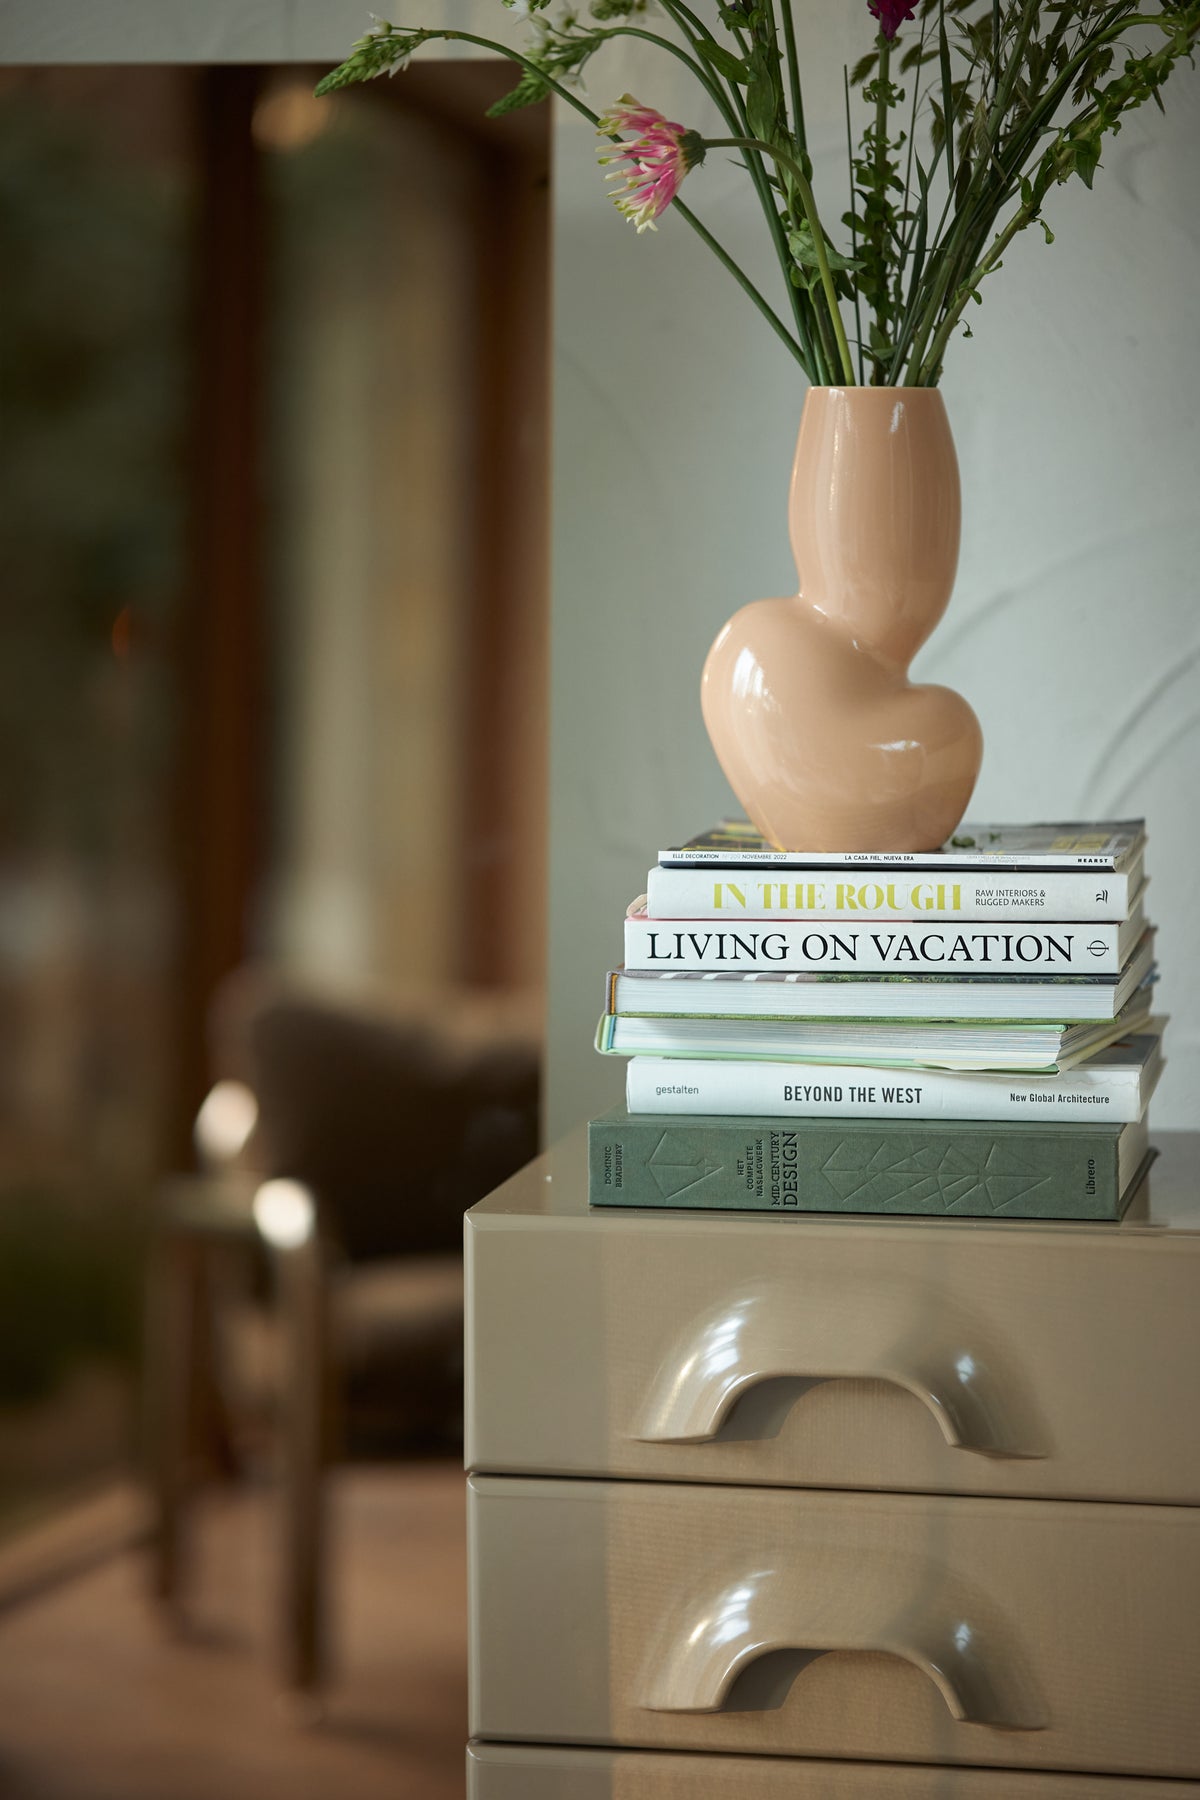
(966, 1032)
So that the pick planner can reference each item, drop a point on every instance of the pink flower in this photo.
(651, 168)
(891, 15)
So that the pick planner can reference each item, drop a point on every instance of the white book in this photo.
(996, 947)
(824, 994)
(1114, 1085)
(731, 893)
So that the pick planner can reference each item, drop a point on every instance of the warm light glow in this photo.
(289, 117)
(284, 1213)
(224, 1122)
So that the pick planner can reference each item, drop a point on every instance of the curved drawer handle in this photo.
(891, 1334)
(714, 1640)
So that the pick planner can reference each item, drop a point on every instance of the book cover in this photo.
(1012, 1045)
(995, 947)
(950, 1169)
(717, 892)
(1114, 1087)
(825, 993)
(1109, 844)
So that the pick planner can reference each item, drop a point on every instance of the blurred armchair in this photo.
(341, 1145)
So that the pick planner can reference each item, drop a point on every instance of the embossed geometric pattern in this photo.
(676, 1166)
(896, 1176)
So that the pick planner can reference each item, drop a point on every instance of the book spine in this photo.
(685, 1086)
(696, 946)
(716, 893)
(813, 1166)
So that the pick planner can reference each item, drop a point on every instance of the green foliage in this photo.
(733, 14)
(766, 110)
(806, 272)
(382, 51)
(529, 91)
(558, 55)
(1014, 96)
(733, 68)
(969, 116)
(875, 215)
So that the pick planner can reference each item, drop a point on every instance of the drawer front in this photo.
(902, 1628)
(1007, 1360)
(524, 1772)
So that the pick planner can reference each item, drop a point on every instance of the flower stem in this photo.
(882, 86)
(788, 162)
(954, 249)
(695, 31)
(927, 374)
(747, 286)
(853, 226)
(707, 81)
(793, 65)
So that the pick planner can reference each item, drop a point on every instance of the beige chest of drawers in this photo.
(876, 1509)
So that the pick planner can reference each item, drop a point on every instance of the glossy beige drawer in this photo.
(1037, 1634)
(914, 1355)
(523, 1772)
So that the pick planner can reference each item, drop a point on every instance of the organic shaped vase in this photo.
(823, 738)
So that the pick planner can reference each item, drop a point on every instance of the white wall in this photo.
(1075, 408)
(208, 31)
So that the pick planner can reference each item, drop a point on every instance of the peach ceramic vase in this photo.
(823, 738)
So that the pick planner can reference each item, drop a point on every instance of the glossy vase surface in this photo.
(822, 736)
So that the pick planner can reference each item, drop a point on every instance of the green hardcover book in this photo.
(935, 1168)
